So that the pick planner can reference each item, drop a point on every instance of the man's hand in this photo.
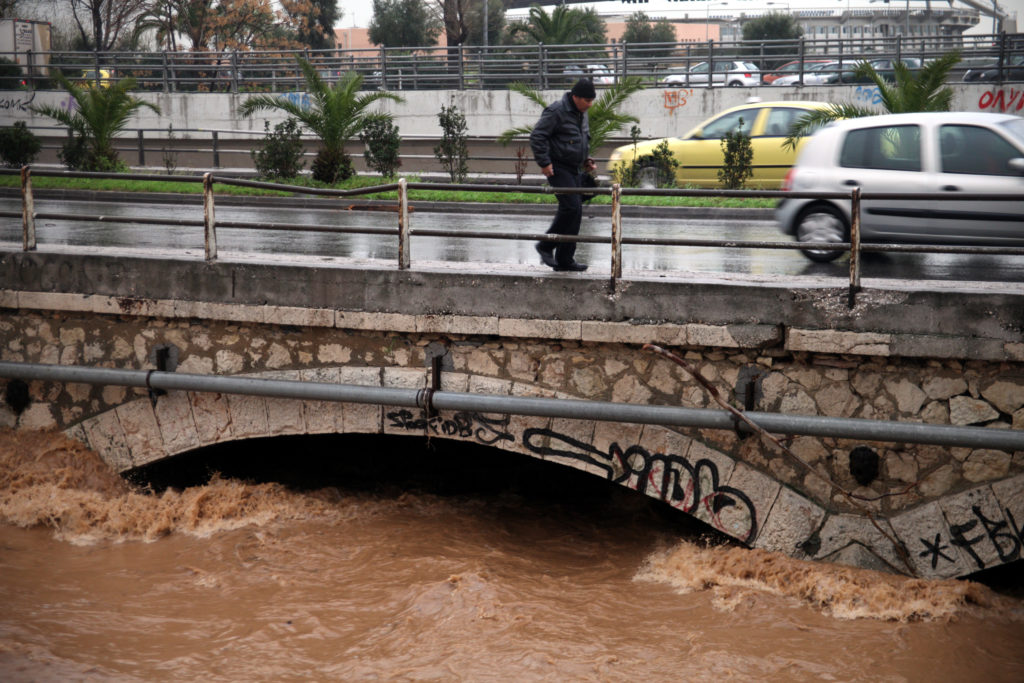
(589, 165)
(548, 170)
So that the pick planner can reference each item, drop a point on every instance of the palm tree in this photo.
(564, 26)
(102, 112)
(924, 91)
(605, 119)
(335, 114)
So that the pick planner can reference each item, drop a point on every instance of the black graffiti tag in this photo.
(1004, 534)
(462, 424)
(935, 550)
(685, 486)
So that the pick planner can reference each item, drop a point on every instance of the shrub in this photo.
(18, 145)
(280, 155)
(382, 142)
(453, 151)
(738, 155)
(332, 166)
(10, 75)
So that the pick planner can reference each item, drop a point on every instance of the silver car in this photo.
(945, 152)
(731, 73)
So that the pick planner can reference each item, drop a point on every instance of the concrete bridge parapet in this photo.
(935, 357)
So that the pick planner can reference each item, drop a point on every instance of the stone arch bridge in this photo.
(904, 353)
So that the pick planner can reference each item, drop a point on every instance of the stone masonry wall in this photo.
(965, 499)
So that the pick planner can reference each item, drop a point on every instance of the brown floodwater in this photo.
(231, 580)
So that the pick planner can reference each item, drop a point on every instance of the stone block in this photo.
(321, 417)
(841, 530)
(540, 329)
(790, 523)
(1005, 394)
(457, 324)
(925, 534)
(174, 415)
(378, 322)
(624, 333)
(141, 430)
(837, 341)
(212, 417)
(964, 410)
(614, 443)
(107, 438)
(752, 497)
(248, 416)
(979, 529)
(710, 335)
(297, 316)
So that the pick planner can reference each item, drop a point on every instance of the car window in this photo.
(700, 68)
(975, 150)
(892, 148)
(723, 66)
(780, 119)
(727, 122)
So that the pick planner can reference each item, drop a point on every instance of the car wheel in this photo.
(735, 84)
(647, 177)
(821, 224)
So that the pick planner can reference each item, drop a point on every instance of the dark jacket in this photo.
(562, 135)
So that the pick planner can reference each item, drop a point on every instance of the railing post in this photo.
(542, 66)
(383, 68)
(854, 246)
(96, 65)
(403, 225)
(28, 211)
(625, 61)
(234, 72)
(142, 149)
(216, 150)
(616, 234)
(30, 70)
(462, 67)
(163, 58)
(210, 228)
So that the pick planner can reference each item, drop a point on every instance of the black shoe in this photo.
(547, 257)
(571, 265)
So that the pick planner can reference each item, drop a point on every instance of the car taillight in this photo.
(746, 75)
(787, 182)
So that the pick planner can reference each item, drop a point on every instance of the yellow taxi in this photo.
(699, 152)
(89, 78)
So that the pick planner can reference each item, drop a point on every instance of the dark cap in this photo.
(584, 88)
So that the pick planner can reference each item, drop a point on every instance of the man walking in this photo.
(561, 147)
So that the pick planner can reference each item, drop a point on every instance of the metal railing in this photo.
(477, 67)
(404, 232)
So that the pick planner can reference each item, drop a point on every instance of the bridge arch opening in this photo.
(390, 465)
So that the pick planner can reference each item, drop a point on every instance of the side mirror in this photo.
(1017, 165)
(698, 134)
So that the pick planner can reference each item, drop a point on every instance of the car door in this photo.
(976, 159)
(700, 158)
(771, 160)
(885, 159)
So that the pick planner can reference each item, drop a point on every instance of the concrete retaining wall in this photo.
(662, 112)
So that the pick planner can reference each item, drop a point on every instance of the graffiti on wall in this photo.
(1002, 100)
(18, 102)
(676, 98)
(299, 99)
(973, 534)
(694, 488)
(864, 94)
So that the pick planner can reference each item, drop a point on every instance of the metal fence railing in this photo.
(475, 67)
(404, 232)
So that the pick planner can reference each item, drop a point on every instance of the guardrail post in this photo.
(163, 59)
(383, 68)
(142, 149)
(30, 70)
(616, 234)
(28, 211)
(234, 72)
(462, 67)
(854, 246)
(216, 151)
(210, 228)
(403, 225)
(542, 66)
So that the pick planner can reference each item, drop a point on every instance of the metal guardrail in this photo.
(477, 67)
(404, 232)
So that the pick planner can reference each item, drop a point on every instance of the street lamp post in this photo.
(707, 18)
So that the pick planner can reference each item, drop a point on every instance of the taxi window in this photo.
(975, 150)
(779, 121)
(888, 148)
(728, 122)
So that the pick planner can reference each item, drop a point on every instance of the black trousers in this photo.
(569, 214)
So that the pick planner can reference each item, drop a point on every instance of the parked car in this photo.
(884, 67)
(599, 74)
(790, 68)
(699, 152)
(818, 73)
(943, 152)
(1013, 70)
(731, 73)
